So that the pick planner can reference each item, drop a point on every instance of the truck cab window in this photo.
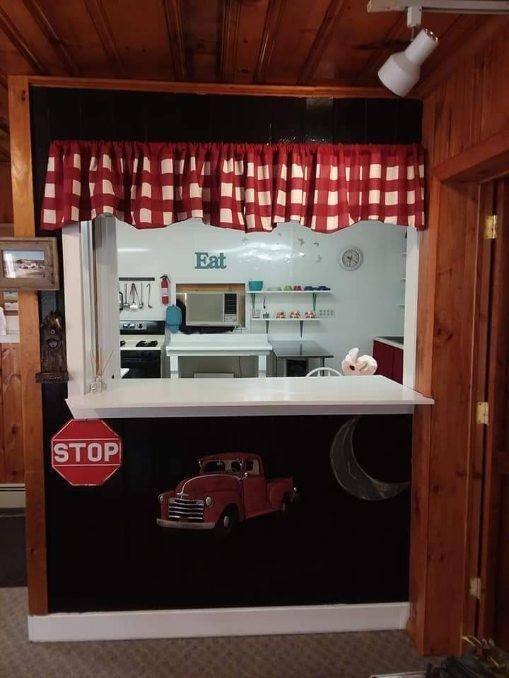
(252, 467)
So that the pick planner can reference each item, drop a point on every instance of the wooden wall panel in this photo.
(494, 101)
(24, 226)
(11, 432)
(468, 106)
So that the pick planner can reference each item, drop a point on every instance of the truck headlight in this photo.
(209, 501)
(161, 497)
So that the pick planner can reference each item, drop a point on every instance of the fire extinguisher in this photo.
(165, 290)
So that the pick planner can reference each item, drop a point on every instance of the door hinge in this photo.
(482, 413)
(474, 587)
(490, 227)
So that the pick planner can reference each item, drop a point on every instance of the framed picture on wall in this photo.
(28, 264)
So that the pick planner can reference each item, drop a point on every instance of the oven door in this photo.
(141, 364)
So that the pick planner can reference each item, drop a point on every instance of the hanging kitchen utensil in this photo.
(142, 305)
(149, 290)
(121, 304)
(126, 299)
(133, 296)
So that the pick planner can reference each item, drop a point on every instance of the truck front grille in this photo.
(180, 508)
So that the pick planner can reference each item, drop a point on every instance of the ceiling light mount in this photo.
(454, 6)
(402, 70)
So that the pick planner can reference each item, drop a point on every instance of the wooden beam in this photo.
(40, 17)
(19, 42)
(273, 19)
(377, 56)
(174, 28)
(485, 160)
(99, 18)
(4, 124)
(211, 88)
(228, 41)
(321, 41)
(24, 226)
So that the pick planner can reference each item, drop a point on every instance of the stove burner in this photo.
(147, 344)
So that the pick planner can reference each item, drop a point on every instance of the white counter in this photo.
(139, 398)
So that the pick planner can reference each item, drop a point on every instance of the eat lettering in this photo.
(206, 260)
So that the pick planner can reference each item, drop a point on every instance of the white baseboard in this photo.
(252, 621)
(12, 495)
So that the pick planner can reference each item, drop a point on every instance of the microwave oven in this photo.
(213, 309)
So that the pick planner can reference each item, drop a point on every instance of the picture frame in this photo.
(29, 264)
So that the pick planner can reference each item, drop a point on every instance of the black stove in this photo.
(144, 363)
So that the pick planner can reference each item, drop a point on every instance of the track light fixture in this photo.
(402, 70)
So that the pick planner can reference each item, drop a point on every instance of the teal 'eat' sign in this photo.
(206, 260)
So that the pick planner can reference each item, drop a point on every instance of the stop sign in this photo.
(86, 452)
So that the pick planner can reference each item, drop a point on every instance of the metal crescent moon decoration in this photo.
(351, 476)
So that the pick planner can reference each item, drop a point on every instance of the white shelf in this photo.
(290, 292)
(282, 320)
(138, 398)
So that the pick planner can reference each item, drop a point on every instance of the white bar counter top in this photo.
(275, 396)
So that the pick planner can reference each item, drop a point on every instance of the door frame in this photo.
(497, 333)
(447, 478)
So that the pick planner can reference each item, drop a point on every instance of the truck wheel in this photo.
(227, 522)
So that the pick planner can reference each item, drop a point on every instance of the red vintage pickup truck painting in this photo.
(229, 488)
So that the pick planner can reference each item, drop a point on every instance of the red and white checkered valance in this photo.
(249, 187)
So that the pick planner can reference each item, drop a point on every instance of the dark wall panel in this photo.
(106, 551)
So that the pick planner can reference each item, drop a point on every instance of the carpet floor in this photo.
(12, 548)
(330, 655)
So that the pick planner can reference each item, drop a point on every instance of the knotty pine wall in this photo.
(11, 435)
(470, 105)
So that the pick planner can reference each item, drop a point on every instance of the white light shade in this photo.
(402, 70)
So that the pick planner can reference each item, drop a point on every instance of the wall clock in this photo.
(351, 258)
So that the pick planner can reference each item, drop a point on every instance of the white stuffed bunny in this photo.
(356, 366)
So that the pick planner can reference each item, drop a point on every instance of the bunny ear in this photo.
(352, 354)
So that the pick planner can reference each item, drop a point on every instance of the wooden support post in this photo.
(24, 226)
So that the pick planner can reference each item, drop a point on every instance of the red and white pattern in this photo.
(249, 187)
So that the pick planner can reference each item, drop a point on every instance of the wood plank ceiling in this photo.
(305, 42)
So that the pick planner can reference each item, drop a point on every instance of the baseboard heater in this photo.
(12, 495)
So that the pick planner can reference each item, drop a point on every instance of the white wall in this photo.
(366, 302)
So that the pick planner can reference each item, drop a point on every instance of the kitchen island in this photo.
(239, 344)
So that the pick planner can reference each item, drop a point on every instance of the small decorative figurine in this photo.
(280, 315)
(53, 359)
(310, 314)
(295, 314)
(357, 366)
